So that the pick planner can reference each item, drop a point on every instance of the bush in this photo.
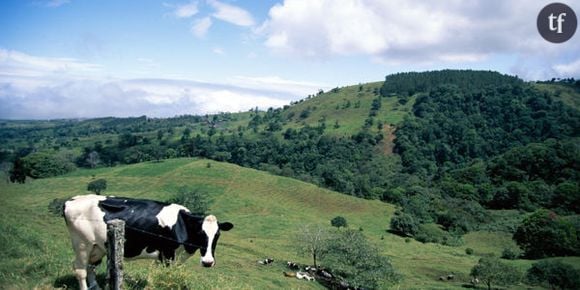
(469, 251)
(453, 240)
(197, 202)
(511, 253)
(405, 225)
(351, 257)
(430, 233)
(554, 273)
(339, 222)
(545, 234)
(492, 271)
(56, 206)
(46, 164)
(174, 277)
(97, 186)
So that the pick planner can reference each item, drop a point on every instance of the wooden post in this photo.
(115, 250)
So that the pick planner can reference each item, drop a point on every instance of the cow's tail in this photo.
(63, 208)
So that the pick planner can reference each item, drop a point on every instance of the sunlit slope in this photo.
(344, 110)
(267, 212)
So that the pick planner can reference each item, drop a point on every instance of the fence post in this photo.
(115, 249)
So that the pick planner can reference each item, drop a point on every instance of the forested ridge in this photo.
(469, 142)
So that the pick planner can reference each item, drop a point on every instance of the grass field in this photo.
(267, 212)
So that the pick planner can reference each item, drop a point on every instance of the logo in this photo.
(557, 22)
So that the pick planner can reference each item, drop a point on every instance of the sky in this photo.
(121, 58)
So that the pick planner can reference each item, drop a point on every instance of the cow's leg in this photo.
(92, 277)
(80, 264)
(95, 259)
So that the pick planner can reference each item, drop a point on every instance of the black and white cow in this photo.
(152, 230)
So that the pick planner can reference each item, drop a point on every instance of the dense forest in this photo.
(473, 142)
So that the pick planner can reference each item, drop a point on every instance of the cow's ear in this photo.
(180, 228)
(226, 226)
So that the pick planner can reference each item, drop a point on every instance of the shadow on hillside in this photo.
(70, 281)
(399, 234)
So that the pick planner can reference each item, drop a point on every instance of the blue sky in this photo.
(88, 58)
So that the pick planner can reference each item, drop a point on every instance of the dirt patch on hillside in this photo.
(387, 145)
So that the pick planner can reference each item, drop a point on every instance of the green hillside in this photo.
(469, 158)
(349, 107)
(267, 211)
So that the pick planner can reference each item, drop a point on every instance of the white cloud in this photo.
(201, 26)
(231, 13)
(403, 31)
(571, 69)
(278, 84)
(33, 87)
(53, 3)
(186, 10)
(218, 51)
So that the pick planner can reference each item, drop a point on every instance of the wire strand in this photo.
(145, 232)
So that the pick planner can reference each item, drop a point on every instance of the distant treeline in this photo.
(475, 140)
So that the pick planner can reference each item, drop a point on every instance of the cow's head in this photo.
(195, 233)
(210, 233)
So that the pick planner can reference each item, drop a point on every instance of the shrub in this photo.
(174, 277)
(56, 206)
(352, 258)
(405, 225)
(545, 234)
(492, 271)
(339, 222)
(46, 164)
(197, 202)
(430, 233)
(97, 186)
(453, 240)
(555, 273)
(511, 253)
(469, 251)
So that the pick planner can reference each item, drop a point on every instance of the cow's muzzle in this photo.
(208, 264)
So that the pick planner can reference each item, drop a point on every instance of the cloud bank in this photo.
(415, 32)
(33, 87)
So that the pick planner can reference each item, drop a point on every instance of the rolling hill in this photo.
(267, 211)
(442, 147)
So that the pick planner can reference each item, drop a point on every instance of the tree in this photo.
(311, 239)
(97, 186)
(193, 199)
(545, 234)
(18, 172)
(491, 270)
(351, 257)
(404, 224)
(557, 274)
(45, 164)
(93, 159)
(339, 222)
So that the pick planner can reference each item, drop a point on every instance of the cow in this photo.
(152, 230)
(305, 276)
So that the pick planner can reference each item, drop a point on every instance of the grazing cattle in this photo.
(290, 274)
(152, 230)
(324, 273)
(304, 275)
(310, 269)
(292, 265)
(266, 261)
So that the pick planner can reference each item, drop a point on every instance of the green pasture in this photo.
(267, 211)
